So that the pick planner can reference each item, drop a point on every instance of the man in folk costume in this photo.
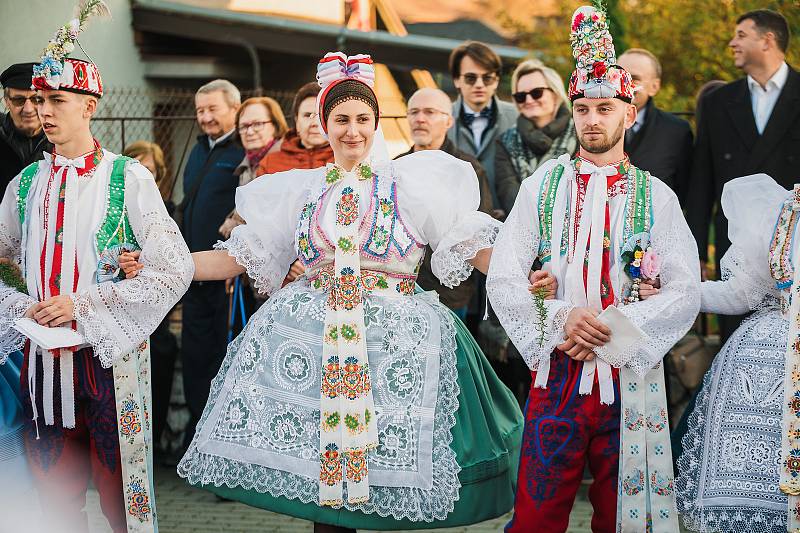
(601, 226)
(65, 220)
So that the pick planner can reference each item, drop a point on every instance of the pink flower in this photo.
(576, 23)
(651, 264)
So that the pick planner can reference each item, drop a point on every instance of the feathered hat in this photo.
(596, 73)
(343, 78)
(56, 71)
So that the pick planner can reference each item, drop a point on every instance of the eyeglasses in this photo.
(535, 93)
(256, 126)
(471, 78)
(19, 101)
(427, 112)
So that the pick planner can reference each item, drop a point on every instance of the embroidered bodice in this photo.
(390, 254)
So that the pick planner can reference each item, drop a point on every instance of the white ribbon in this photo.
(590, 238)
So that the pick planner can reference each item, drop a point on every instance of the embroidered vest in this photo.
(638, 216)
(116, 228)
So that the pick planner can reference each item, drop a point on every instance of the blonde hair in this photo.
(551, 77)
(143, 149)
(274, 110)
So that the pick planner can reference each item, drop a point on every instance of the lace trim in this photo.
(94, 331)
(695, 516)
(451, 265)
(734, 264)
(266, 274)
(398, 502)
(13, 306)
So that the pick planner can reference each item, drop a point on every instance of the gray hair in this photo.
(229, 91)
(551, 77)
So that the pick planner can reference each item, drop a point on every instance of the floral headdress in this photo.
(58, 72)
(335, 68)
(596, 73)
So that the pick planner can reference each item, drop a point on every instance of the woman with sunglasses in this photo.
(544, 128)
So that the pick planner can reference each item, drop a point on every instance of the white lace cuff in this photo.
(473, 233)
(94, 331)
(266, 272)
(13, 306)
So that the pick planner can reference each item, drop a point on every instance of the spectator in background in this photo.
(658, 142)
(209, 185)
(746, 127)
(261, 125)
(544, 128)
(22, 140)
(163, 344)
(479, 115)
(303, 146)
(429, 118)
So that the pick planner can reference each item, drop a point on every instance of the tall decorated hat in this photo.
(596, 73)
(342, 78)
(56, 71)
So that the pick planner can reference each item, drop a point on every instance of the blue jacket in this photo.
(203, 216)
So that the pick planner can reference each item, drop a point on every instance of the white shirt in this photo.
(764, 99)
(478, 126)
(213, 142)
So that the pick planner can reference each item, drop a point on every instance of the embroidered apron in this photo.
(646, 483)
(131, 372)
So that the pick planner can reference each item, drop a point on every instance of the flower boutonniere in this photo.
(640, 264)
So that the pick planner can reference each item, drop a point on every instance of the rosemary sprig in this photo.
(11, 275)
(539, 296)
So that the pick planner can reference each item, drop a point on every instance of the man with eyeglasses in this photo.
(429, 119)
(478, 114)
(22, 140)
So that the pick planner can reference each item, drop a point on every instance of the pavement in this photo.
(186, 509)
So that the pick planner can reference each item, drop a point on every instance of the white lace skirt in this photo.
(728, 477)
(260, 428)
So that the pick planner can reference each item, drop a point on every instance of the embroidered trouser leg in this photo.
(63, 460)
(564, 430)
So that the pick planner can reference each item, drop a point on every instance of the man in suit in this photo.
(658, 142)
(478, 114)
(747, 126)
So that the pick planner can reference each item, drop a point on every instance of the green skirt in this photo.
(486, 440)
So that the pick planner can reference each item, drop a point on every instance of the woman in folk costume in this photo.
(65, 220)
(740, 466)
(350, 400)
(601, 226)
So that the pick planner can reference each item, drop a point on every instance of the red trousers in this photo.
(64, 460)
(564, 431)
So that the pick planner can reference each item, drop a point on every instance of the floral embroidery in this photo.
(405, 286)
(350, 333)
(356, 465)
(633, 420)
(285, 428)
(331, 334)
(331, 378)
(129, 423)
(634, 483)
(394, 442)
(330, 420)
(237, 415)
(348, 293)
(660, 484)
(346, 245)
(138, 501)
(657, 422)
(347, 207)
(401, 378)
(330, 466)
(792, 463)
(355, 379)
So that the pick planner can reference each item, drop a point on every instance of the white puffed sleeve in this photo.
(13, 304)
(752, 205)
(535, 327)
(667, 316)
(117, 317)
(270, 206)
(439, 196)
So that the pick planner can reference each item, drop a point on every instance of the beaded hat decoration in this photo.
(56, 71)
(596, 73)
(344, 78)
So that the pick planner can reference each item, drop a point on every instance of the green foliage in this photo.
(541, 312)
(690, 38)
(10, 275)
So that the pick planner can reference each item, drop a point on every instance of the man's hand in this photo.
(129, 263)
(498, 214)
(54, 312)
(32, 310)
(649, 288)
(584, 329)
(541, 279)
(576, 351)
(297, 269)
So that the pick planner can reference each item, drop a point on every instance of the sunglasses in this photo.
(19, 101)
(535, 93)
(472, 78)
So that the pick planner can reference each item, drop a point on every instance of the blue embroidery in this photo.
(306, 251)
(387, 226)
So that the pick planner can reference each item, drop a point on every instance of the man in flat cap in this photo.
(22, 140)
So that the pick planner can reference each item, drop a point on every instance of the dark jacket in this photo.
(460, 296)
(17, 151)
(524, 148)
(663, 147)
(728, 146)
(215, 199)
(505, 116)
